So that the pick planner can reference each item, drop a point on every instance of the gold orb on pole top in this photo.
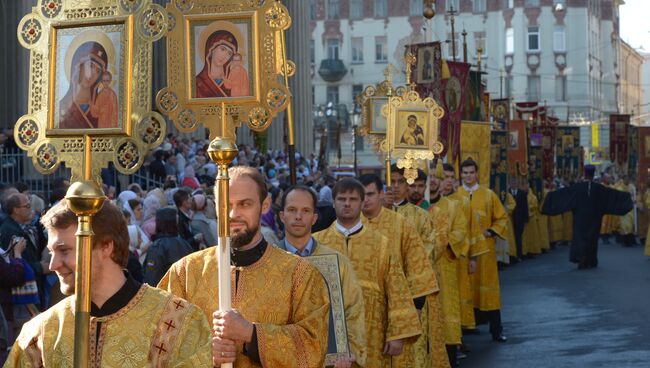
(222, 150)
(428, 11)
(85, 198)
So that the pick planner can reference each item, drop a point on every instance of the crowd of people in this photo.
(419, 263)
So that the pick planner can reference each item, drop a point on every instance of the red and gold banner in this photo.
(517, 148)
(644, 154)
(618, 132)
(453, 100)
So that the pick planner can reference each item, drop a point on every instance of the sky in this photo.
(634, 27)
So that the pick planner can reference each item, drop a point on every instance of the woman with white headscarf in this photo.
(138, 241)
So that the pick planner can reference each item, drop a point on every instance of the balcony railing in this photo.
(332, 70)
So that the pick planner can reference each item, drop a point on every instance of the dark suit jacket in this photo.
(520, 212)
(185, 232)
(32, 254)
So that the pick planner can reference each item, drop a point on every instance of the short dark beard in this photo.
(413, 199)
(242, 239)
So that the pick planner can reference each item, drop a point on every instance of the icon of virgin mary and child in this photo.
(90, 101)
(224, 73)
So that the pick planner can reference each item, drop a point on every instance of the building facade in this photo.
(631, 90)
(561, 53)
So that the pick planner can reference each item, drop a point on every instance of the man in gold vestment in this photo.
(488, 219)
(449, 263)
(417, 264)
(280, 312)
(390, 315)
(131, 324)
(298, 216)
(475, 248)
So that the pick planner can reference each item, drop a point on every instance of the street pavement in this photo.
(556, 316)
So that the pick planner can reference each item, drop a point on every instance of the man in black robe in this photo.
(588, 201)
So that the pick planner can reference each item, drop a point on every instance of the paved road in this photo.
(556, 316)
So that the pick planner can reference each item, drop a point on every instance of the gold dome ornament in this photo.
(429, 12)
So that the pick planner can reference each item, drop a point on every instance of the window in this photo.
(479, 41)
(357, 49)
(333, 48)
(357, 89)
(559, 39)
(479, 6)
(312, 10)
(509, 86)
(417, 8)
(381, 10)
(560, 88)
(381, 49)
(356, 9)
(533, 88)
(533, 39)
(333, 9)
(333, 94)
(510, 41)
(450, 4)
(531, 3)
(508, 4)
(312, 51)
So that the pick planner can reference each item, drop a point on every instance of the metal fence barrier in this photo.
(17, 167)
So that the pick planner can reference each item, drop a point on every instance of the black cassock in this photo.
(588, 201)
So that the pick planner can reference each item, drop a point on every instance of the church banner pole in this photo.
(288, 114)
(85, 199)
(223, 151)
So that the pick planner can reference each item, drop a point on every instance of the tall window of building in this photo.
(381, 49)
(479, 6)
(356, 9)
(450, 4)
(312, 9)
(312, 51)
(357, 49)
(559, 39)
(357, 89)
(333, 46)
(333, 94)
(508, 4)
(531, 3)
(560, 88)
(533, 88)
(509, 86)
(381, 8)
(480, 41)
(416, 8)
(533, 39)
(510, 40)
(333, 9)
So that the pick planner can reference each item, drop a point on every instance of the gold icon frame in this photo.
(141, 129)
(222, 115)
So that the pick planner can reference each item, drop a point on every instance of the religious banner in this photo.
(633, 150)
(547, 132)
(476, 146)
(618, 137)
(485, 107)
(453, 100)
(473, 97)
(499, 163)
(535, 170)
(568, 152)
(517, 148)
(501, 112)
(427, 74)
